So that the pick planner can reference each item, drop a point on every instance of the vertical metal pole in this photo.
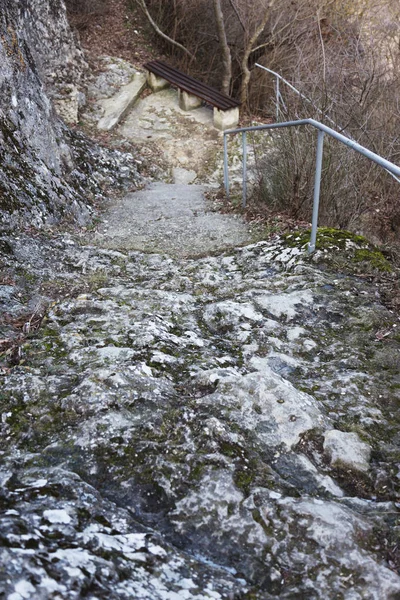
(244, 185)
(277, 98)
(226, 172)
(317, 187)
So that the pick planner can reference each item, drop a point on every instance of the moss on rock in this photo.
(340, 249)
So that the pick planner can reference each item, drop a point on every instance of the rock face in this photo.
(57, 55)
(47, 173)
(33, 148)
(59, 60)
(30, 154)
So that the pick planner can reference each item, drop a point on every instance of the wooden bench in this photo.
(192, 93)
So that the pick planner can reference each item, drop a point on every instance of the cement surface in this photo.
(180, 175)
(174, 219)
(184, 139)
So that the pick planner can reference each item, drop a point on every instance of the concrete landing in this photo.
(172, 219)
(181, 140)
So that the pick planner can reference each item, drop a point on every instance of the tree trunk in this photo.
(225, 50)
(244, 86)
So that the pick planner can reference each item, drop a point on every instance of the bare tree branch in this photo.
(156, 28)
(322, 47)
(232, 3)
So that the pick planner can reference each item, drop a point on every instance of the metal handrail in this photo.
(278, 99)
(322, 129)
(278, 95)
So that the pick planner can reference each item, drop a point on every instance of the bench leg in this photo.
(226, 119)
(188, 101)
(156, 83)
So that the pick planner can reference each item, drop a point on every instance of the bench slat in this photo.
(197, 86)
(191, 85)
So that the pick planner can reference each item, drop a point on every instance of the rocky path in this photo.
(201, 419)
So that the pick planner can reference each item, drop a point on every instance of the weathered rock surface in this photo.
(184, 139)
(58, 57)
(163, 427)
(164, 437)
(346, 450)
(116, 107)
(56, 52)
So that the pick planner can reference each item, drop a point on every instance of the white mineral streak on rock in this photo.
(308, 345)
(161, 358)
(76, 558)
(283, 412)
(57, 516)
(230, 313)
(102, 355)
(217, 505)
(286, 305)
(23, 589)
(336, 530)
(346, 450)
(112, 422)
(259, 363)
(293, 333)
(194, 339)
(324, 481)
(146, 369)
(38, 483)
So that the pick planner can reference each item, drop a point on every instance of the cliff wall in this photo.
(47, 171)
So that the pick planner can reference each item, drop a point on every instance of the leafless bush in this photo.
(355, 193)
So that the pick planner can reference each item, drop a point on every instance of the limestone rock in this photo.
(33, 167)
(56, 51)
(166, 407)
(346, 450)
(68, 103)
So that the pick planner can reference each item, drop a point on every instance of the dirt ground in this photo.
(115, 29)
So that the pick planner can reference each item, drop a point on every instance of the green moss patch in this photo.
(342, 250)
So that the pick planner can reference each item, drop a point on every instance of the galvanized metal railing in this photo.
(322, 129)
(279, 100)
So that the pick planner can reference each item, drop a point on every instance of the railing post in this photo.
(317, 187)
(244, 158)
(226, 172)
(277, 98)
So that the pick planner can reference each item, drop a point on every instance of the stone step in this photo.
(117, 106)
